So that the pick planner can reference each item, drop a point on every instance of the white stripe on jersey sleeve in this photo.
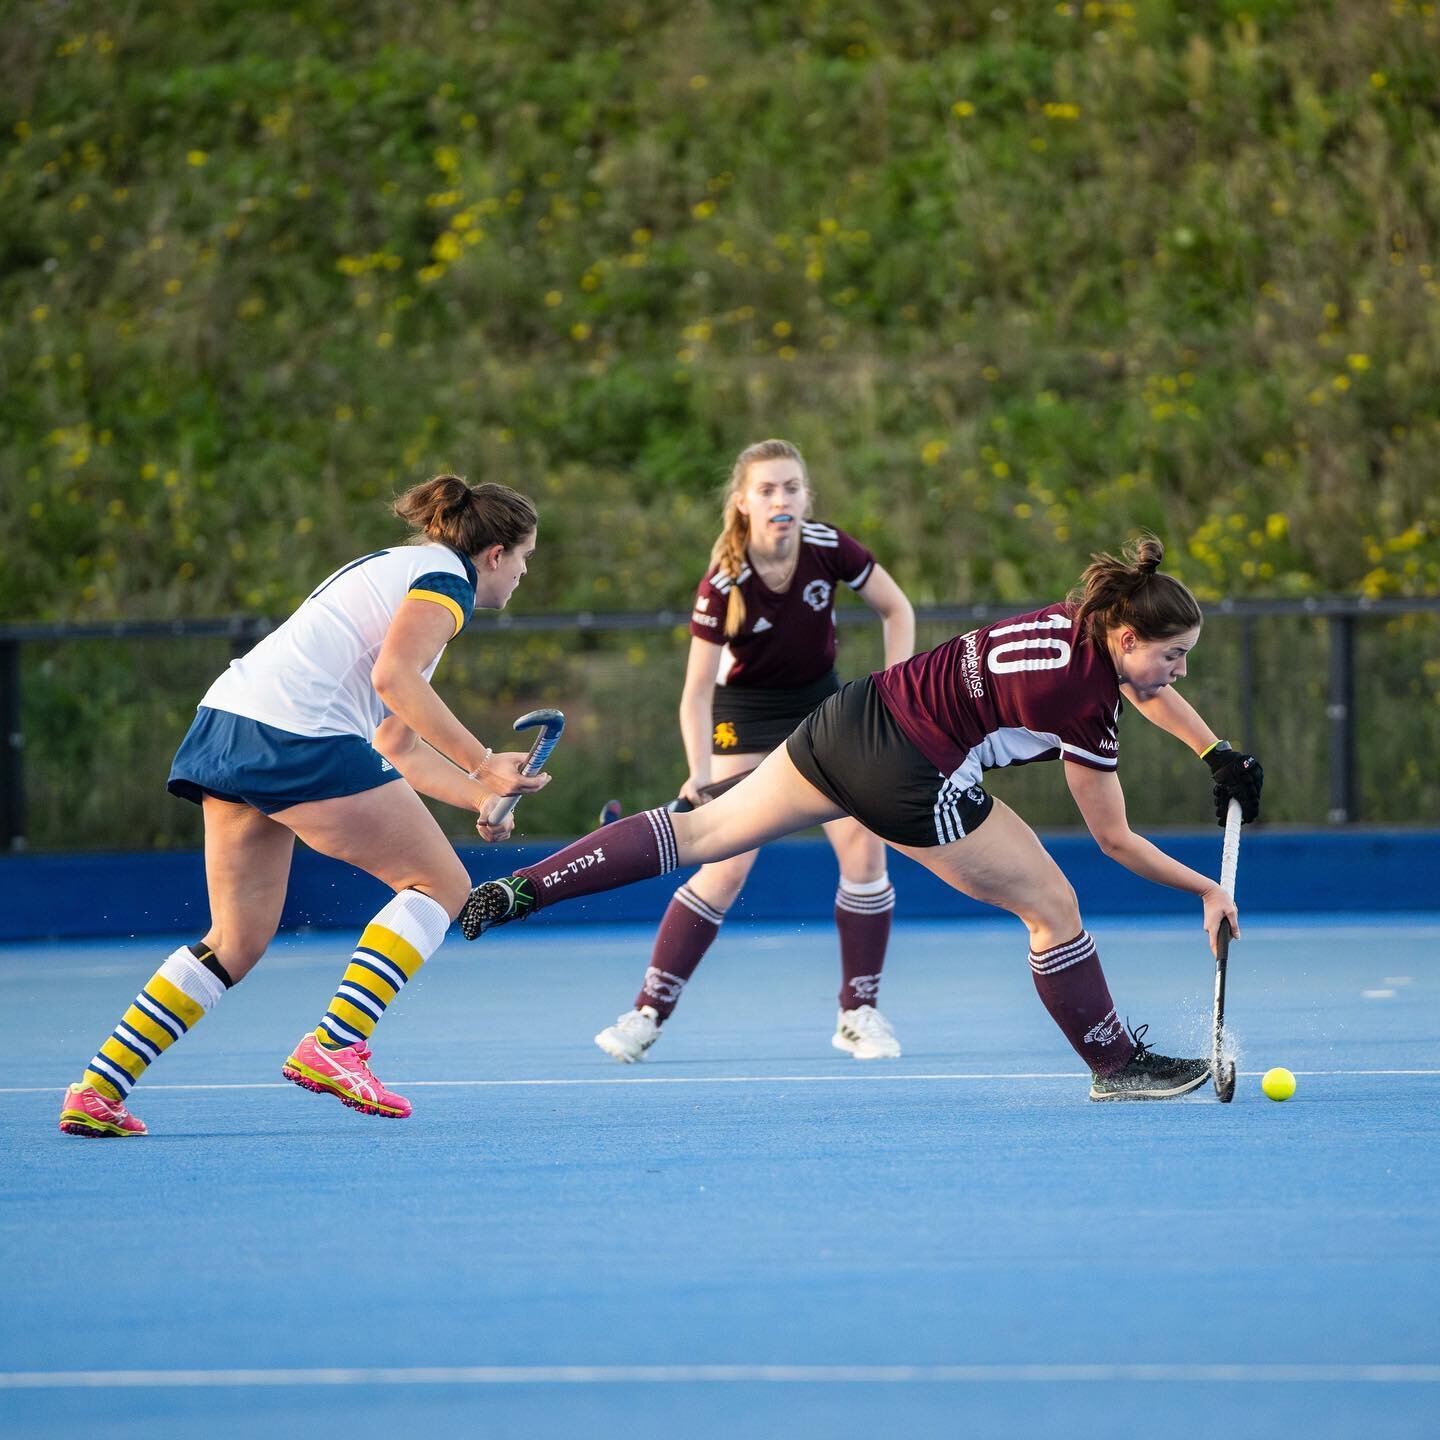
(862, 577)
(722, 581)
(817, 534)
(1110, 762)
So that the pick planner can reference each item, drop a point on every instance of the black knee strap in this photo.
(206, 956)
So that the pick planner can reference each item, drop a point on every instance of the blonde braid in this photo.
(728, 555)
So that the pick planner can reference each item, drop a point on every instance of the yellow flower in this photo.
(196, 158)
(780, 329)
(933, 451)
(1358, 362)
(553, 298)
(962, 108)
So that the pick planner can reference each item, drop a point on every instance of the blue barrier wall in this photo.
(69, 896)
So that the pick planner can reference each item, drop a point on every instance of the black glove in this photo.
(1237, 777)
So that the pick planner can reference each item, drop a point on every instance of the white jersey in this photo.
(312, 675)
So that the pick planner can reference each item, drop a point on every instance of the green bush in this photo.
(1020, 281)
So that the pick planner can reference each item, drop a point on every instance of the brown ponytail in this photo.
(471, 518)
(728, 552)
(1132, 592)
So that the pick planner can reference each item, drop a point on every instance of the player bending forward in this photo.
(905, 750)
(762, 657)
(326, 730)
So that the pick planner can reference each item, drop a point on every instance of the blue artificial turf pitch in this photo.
(750, 1234)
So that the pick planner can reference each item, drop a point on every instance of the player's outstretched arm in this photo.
(1236, 776)
(897, 616)
(1175, 715)
(697, 714)
(1101, 802)
(464, 772)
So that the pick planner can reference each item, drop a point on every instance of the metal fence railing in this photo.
(1297, 659)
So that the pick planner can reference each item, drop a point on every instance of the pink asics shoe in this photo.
(345, 1075)
(86, 1111)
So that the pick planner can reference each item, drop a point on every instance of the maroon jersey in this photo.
(788, 638)
(1010, 693)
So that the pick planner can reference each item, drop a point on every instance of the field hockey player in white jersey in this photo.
(329, 729)
(905, 751)
(762, 657)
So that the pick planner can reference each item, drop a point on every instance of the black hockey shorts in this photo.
(853, 752)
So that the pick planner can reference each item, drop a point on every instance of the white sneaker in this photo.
(632, 1035)
(866, 1034)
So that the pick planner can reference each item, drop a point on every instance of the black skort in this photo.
(852, 751)
(749, 720)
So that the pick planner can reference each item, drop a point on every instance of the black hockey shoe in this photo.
(1148, 1076)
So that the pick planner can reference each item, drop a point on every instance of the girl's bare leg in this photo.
(1003, 863)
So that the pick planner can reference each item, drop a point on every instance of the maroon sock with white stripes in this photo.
(685, 934)
(1072, 986)
(863, 910)
(631, 849)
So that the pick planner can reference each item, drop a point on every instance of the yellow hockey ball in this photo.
(1278, 1084)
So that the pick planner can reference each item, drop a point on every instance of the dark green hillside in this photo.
(1020, 280)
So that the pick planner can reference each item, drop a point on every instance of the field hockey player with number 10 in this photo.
(329, 729)
(905, 752)
(762, 657)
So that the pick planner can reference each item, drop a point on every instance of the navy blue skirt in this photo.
(251, 763)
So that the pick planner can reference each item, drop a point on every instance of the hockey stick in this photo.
(552, 726)
(1222, 1072)
(613, 810)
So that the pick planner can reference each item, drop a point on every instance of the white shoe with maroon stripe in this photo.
(866, 1034)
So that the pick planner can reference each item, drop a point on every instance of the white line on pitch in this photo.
(701, 1080)
(725, 1374)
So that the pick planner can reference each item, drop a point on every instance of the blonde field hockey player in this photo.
(762, 657)
(330, 730)
(905, 751)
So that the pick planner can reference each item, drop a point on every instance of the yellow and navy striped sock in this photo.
(176, 996)
(396, 943)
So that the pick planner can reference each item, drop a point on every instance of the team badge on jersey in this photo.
(817, 594)
(725, 736)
